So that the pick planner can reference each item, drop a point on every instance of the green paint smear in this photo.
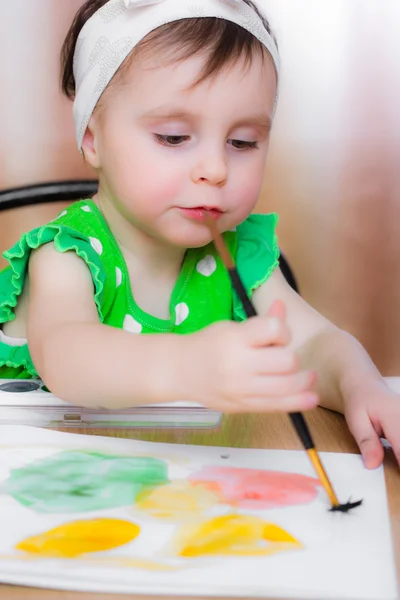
(79, 481)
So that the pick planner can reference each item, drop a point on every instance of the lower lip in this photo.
(198, 214)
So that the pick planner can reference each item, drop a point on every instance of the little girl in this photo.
(173, 105)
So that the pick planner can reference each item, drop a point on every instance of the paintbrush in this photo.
(297, 418)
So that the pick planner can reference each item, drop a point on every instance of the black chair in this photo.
(57, 191)
(287, 272)
(65, 191)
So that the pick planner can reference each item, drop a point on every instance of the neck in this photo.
(148, 253)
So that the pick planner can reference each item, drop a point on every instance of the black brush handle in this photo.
(241, 292)
(302, 430)
(297, 418)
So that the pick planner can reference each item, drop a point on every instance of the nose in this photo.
(211, 168)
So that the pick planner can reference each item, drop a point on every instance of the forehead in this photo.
(238, 85)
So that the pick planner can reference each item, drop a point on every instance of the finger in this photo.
(392, 435)
(277, 310)
(266, 331)
(296, 403)
(367, 439)
(274, 360)
(275, 386)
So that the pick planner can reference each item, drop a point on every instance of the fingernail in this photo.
(366, 462)
(371, 463)
(311, 400)
(275, 324)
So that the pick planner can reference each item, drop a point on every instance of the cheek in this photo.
(247, 186)
(141, 172)
(156, 183)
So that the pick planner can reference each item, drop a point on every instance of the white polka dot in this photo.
(182, 313)
(118, 276)
(62, 214)
(86, 208)
(207, 265)
(96, 245)
(131, 325)
(233, 229)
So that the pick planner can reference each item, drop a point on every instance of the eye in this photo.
(243, 145)
(171, 140)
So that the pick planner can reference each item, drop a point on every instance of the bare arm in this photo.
(233, 367)
(338, 358)
(81, 360)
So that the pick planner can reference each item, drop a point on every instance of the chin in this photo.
(194, 239)
(183, 233)
(191, 242)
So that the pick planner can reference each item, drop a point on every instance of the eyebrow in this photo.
(263, 121)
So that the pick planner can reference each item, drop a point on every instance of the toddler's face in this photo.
(164, 149)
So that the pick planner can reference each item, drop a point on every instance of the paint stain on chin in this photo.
(256, 488)
(76, 538)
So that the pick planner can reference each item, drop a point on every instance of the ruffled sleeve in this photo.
(12, 278)
(257, 255)
(15, 361)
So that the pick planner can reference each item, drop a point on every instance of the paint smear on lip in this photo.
(234, 535)
(198, 213)
(256, 488)
(74, 539)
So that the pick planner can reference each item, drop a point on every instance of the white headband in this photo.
(109, 36)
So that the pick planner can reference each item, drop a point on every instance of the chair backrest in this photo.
(67, 191)
(287, 272)
(58, 191)
(35, 205)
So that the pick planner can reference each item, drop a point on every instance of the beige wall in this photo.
(332, 175)
(36, 125)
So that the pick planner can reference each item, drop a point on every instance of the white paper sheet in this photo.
(343, 556)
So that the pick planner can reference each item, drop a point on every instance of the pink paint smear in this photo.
(255, 488)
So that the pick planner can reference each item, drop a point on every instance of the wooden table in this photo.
(244, 431)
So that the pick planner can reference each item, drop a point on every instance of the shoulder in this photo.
(257, 248)
(259, 227)
(75, 254)
(58, 269)
(257, 255)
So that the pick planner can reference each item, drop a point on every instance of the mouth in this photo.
(198, 213)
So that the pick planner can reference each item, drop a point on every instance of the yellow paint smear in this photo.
(109, 562)
(81, 537)
(147, 565)
(176, 500)
(235, 535)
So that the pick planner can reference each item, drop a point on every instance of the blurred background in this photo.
(332, 174)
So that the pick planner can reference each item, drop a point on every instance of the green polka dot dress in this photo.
(202, 294)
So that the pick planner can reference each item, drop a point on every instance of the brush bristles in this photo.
(344, 508)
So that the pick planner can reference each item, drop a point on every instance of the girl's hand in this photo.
(373, 412)
(246, 367)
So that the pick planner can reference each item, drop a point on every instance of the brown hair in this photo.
(225, 41)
